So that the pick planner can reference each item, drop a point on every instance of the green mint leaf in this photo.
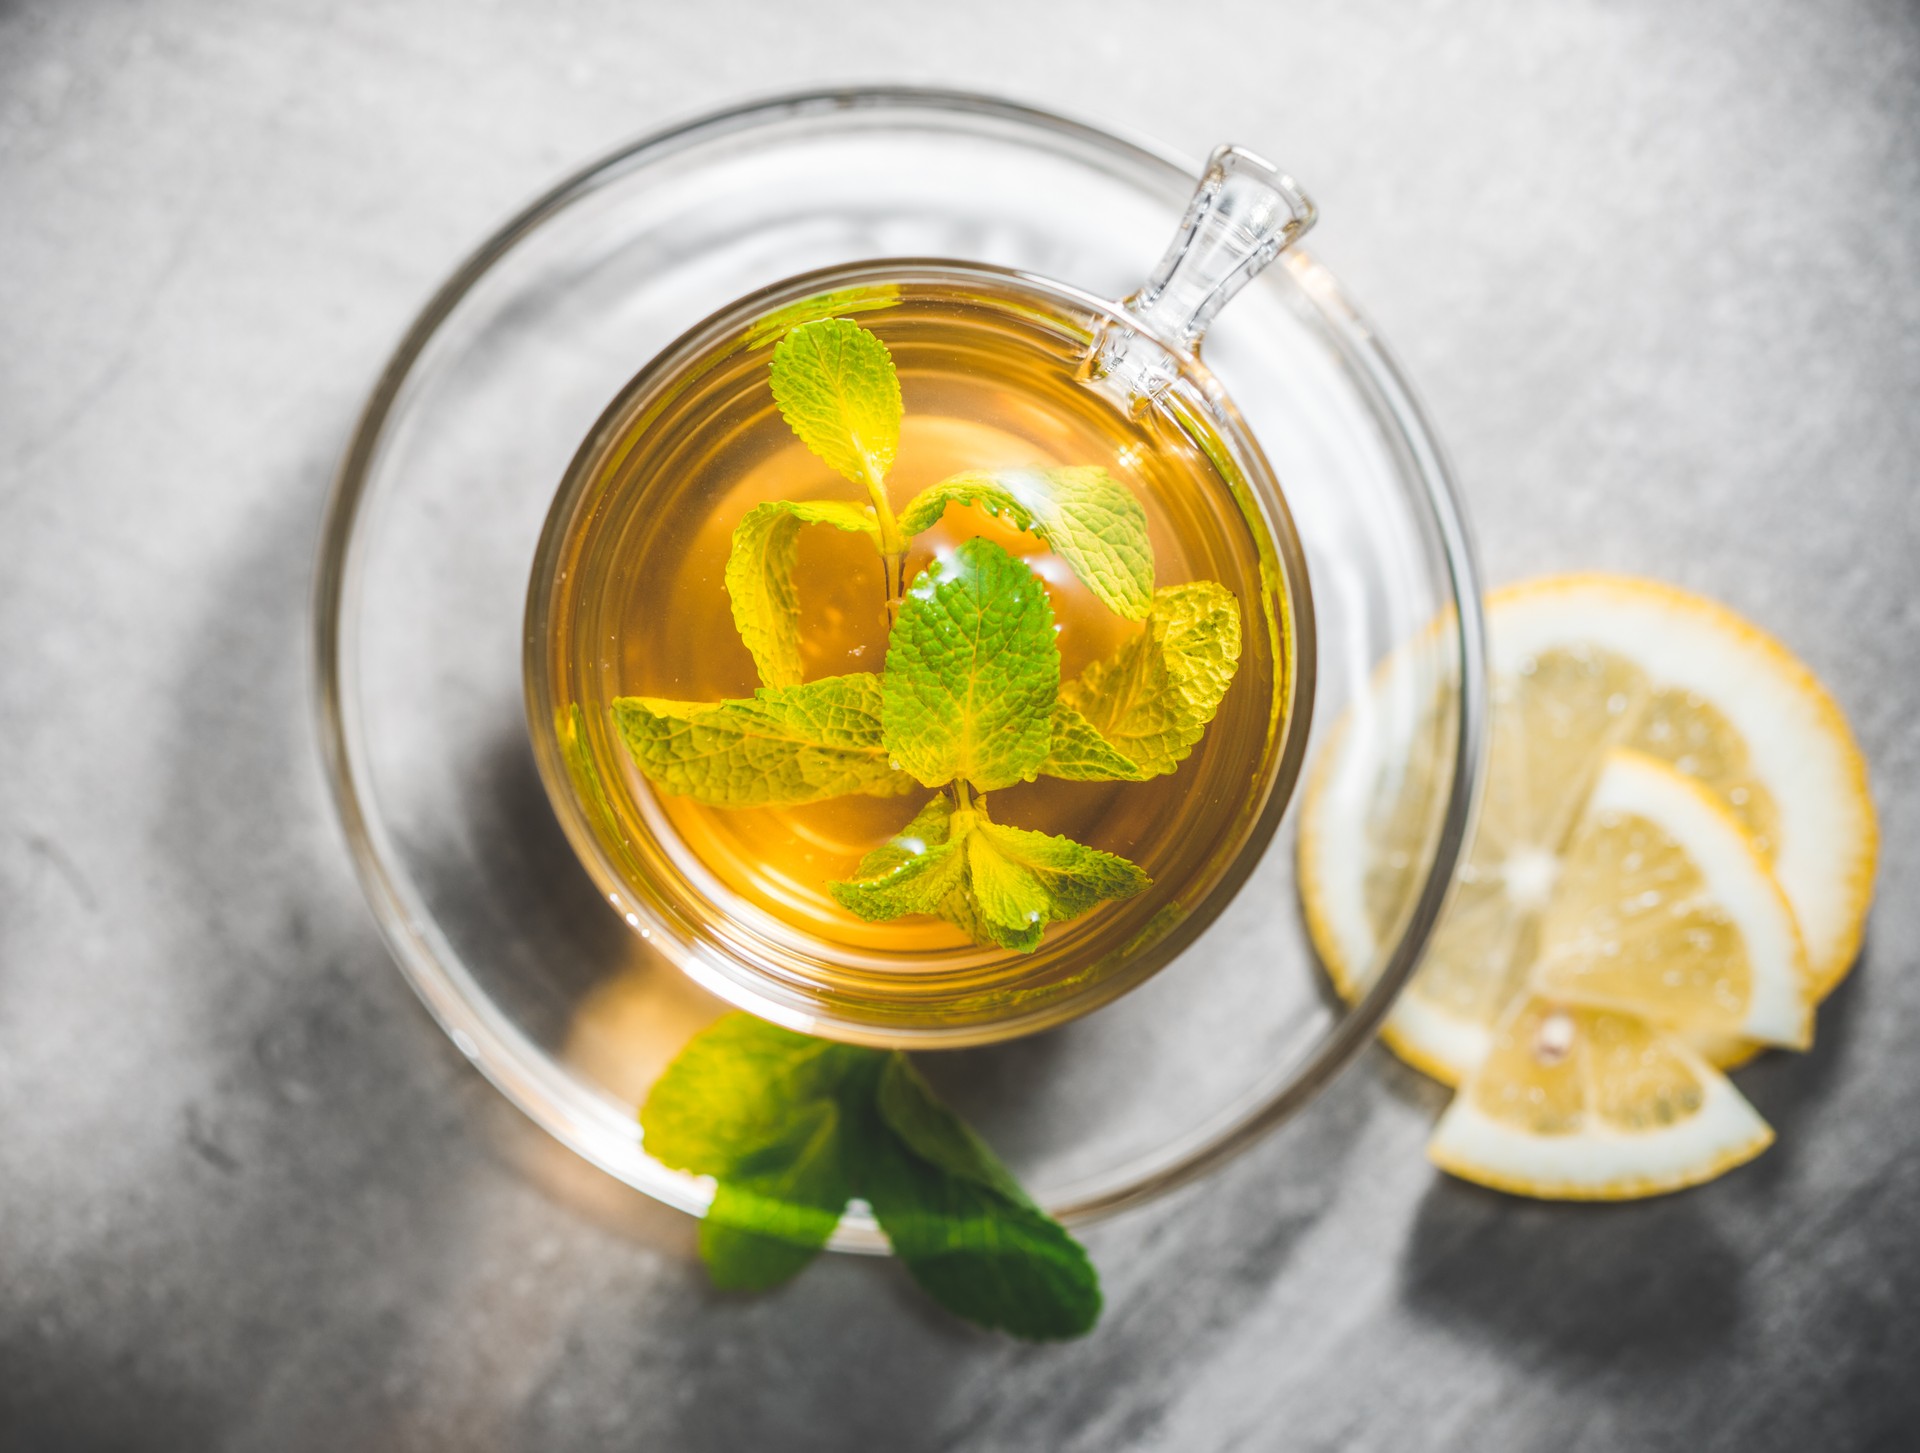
(919, 884)
(1012, 904)
(934, 1133)
(576, 752)
(836, 387)
(836, 304)
(999, 885)
(770, 1216)
(1071, 877)
(760, 578)
(1151, 700)
(1087, 517)
(737, 1088)
(791, 1127)
(928, 835)
(765, 1112)
(784, 745)
(1080, 754)
(972, 672)
(966, 1232)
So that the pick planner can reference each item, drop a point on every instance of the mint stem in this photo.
(893, 545)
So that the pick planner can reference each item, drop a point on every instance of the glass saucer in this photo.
(430, 536)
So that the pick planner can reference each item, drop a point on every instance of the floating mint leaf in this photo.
(1072, 875)
(965, 1230)
(791, 1127)
(1012, 906)
(783, 746)
(930, 832)
(1080, 754)
(760, 578)
(919, 883)
(764, 1111)
(577, 753)
(836, 304)
(1152, 699)
(972, 672)
(1000, 885)
(836, 387)
(1086, 516)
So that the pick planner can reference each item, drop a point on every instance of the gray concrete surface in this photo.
(1657, 270)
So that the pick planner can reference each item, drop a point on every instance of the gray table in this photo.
(1657, 269)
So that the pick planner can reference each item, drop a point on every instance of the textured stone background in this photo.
(1657, 270)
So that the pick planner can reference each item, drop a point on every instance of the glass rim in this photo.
(551, 1096)
(864, 1011)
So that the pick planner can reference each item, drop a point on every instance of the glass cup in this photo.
(1139, 357)
(420, 616)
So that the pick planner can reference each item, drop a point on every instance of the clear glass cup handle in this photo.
(1243, 215)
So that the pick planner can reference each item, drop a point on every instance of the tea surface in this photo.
(983, 390)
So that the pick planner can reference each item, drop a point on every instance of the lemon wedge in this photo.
(1576, 1103)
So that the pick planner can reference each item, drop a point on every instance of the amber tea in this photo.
(892, 639)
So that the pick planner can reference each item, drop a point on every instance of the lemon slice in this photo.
(1730, 707)
(1581, 666)
(1576, 1103)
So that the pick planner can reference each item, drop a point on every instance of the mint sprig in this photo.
(792, 1128)
(971, 700)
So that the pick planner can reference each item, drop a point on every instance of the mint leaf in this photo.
(1152, 699)
(791, 1127)
(765, 1112)
(737, 1088)
(1079, 753)
(967, 1233)
(1087, 517)
(784, 745)
(1012, 906)
(577, 753)
(759, 578)
(836, 304)
(972, 672)
(1071, 876)
(931, 832)
(920, 883)
(836, 387)
(999, 885)
(769, 1219)
(934, 1133)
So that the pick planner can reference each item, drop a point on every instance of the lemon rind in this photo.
(1601, 1165)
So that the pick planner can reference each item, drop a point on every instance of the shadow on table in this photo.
(1786, 1088)
(1650, 1284)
